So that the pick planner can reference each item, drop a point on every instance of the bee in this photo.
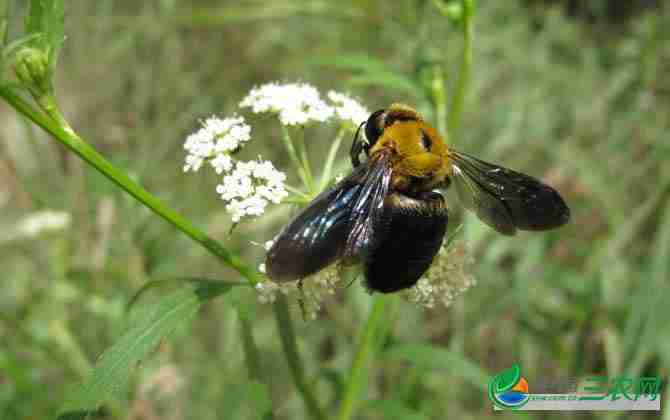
(390, 214)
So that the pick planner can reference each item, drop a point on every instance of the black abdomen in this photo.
(412, 233)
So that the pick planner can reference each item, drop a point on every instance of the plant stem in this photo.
(53, 124)
(330, 159)
(439, 94)
(250, 349)
(287, 336)
(305, 160)
(366, 346)
(251, 356)
(288, 142)
(458, 99)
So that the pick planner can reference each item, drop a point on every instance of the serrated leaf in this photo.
(441, 358)
(112, 371)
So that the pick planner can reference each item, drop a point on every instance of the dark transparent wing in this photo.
(505, 199)
(318, 235)
(368, 208)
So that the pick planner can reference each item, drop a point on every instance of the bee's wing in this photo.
(369, 206)
(320, 233)
(505, 199)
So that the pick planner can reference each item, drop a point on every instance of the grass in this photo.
(586, 110)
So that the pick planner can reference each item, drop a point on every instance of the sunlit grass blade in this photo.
(111, 373)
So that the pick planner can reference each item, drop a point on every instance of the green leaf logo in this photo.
(503, 382)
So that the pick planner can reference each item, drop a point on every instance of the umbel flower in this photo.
(248, 187)
(446, 279)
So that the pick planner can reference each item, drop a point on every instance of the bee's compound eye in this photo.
(373, 128)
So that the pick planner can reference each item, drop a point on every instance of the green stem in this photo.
(330, 160)
(296, 191)
(363, 352)
(286, 137)
(305, 160)
(289, 345)
(458, 99)
(439, 95)
(250, 349)
(53, 124)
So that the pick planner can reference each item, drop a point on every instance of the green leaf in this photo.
(173, 282)
(112, 371)
(441, 358)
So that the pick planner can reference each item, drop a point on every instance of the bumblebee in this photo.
(389, 214)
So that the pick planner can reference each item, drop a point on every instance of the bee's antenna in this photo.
(357, 146)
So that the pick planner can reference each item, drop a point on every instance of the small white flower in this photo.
(314, 291)
(267, 291)
(348, 109)
(261, 268)
(446, 279)
(214, 139)
(222, 163)
(250, 187)
(294, 103)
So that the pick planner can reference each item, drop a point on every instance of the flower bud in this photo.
(452, 10)
(32, 69)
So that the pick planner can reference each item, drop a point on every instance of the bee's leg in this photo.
(357, 147)
(353, 279)
(301, 300)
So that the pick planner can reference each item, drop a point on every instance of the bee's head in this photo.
(379, 121)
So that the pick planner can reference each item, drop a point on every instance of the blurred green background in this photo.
(576, 93)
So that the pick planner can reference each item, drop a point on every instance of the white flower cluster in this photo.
(247, 187)
(315, 288)
(214, 141)
(348, 109)
(250, 187)
(446, 279)
(300, 104)
(295, 103)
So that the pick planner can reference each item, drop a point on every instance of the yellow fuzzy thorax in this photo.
(416, 149)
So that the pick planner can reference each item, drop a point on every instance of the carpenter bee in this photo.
(388, 214)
